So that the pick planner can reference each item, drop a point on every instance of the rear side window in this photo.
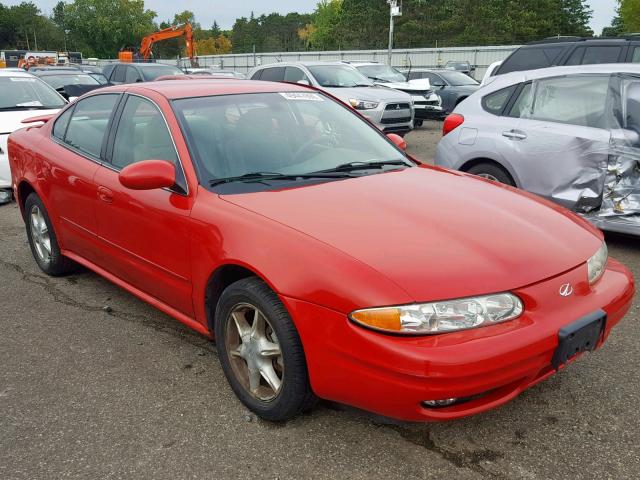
(89, 122)
(495, 102)
(575, 100)
(60, 127)
(256, 75)
(274, 74)
(530, 59)
(595, 55)
(635, 58)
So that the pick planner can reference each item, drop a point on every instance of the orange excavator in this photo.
(128, 54)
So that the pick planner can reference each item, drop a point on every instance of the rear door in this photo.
(559, 137)
(80, 137)
(145, 232)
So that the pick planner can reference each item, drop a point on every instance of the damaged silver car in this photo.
(569, 134)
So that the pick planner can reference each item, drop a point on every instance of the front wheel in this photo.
(417, 123)
(43, 240)
(492, 172)
(261, 352)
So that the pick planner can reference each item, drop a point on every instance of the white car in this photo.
(426, 103)
(21, 96)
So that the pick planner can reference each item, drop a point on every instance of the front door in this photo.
(146, 232)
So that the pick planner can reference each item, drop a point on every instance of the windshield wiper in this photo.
(265, 176)
(351, 166)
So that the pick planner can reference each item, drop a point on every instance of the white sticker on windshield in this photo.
(34, 103)
(22, 79)
(308, 96)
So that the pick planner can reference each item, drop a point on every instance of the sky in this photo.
(225, 12)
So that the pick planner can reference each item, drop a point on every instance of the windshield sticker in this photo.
(22, 79)
(307, 96)
(34, 103)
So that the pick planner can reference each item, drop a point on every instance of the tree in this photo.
(325, 35)
(104, 26)
(630, 15)
(616, 29)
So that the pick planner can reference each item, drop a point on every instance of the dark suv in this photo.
(571, 51)
(118, 73)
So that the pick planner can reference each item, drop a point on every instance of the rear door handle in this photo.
(105, 194)
(514, 134)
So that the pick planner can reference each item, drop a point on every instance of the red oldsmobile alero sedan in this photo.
(325, 261)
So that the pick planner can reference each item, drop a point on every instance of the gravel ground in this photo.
(96, 384)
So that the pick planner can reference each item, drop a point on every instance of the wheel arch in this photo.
(466, 166)
(223, 276)
(25, 188)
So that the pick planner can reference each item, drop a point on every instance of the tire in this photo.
(493, 172)
(43, 242)
(237, 306)
(417, 123)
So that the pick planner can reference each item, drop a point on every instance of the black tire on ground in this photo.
(417, 123)
(492, 172)
(52, 263)
(294, 395)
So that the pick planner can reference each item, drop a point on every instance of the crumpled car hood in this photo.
(435, 233)
(373, 94)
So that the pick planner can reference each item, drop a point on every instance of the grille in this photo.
(397, 106)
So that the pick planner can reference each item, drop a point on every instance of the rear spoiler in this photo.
(40, 118)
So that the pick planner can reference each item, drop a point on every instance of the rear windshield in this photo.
(152, 72)
(59, 81)
(27, 93)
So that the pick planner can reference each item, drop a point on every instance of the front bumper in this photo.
(392, 375)
(428, 107)
(390, 119)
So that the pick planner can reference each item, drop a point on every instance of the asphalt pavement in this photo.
(96, 384)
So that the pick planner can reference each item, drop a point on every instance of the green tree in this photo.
(325, 34)
(630, 15)
(104, 26)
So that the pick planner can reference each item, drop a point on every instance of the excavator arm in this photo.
(165, 34)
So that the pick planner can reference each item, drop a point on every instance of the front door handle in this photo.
(514, 134)
(105, 194)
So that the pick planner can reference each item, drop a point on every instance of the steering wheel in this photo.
(324, 141)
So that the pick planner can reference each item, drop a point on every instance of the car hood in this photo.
(12, 120)
(372, 94)
(413, 86)
(436, 233)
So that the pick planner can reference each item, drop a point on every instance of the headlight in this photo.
(440, 317)
(597, 264)
(362, 104)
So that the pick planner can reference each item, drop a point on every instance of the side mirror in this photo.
(148, 175)
(304, 82)
(398, 141)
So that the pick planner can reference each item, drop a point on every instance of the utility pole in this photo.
(394, 11)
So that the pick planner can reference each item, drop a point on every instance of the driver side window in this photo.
(142, 134)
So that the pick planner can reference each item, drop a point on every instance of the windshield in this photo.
(337, 76)
(59, 81)
(27, 92)
(457, 79)
(286, 133)
(151, 73)
(382, 73)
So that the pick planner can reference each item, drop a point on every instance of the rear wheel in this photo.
(492, 172)
(417, 123)
(43, 240)
(261, 352)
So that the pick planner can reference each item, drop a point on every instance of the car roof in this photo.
(14, 73)
(67, 71)
(512, 78)
(175, 89)
(303, 64)
(570, 39)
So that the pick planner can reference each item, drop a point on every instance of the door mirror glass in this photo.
(148, 175)
(398, 141)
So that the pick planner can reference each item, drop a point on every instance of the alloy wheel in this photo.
(40, 234)
(254, 352)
